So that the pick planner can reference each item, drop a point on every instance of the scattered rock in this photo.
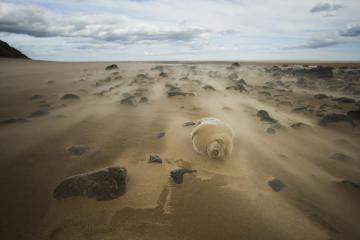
(320, 96)
(354, 114)
(344, 100)
(153, 158)
(177, 174)
(164, 75)
(40, 113)
(36, 97)
(104, 184)
(334, 117)
(264, 116)
(209, 87)
(160, 135)
(276, 184)
(340, 157)
(130, 100)
(235, 65)
(350, 183)
(78, 149)
(70, 96)
(14, 121)
(111, 67)
(176, 93)
(187, 124)
(270, 131)
(299, 125)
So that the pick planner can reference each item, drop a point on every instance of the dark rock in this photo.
(70, 96)
(209, 87)
(320, 96)
(104, 184)
(265, 116)
(78, 149)
(160, 135)
(187, 124)
(14, 121)
(354, 114)
(130, 100)
(144, 99)
(176, 93)
(153, 158)
(235, 65)
(276, 184)
(40, 113)
(265, 93)
(299, 125)
(177, 174)
(344, 100)
(353, 184)
(111, 67)
(334, 117)
(270, 131)
(6, 51)
(164, 75)
(238, 87)
(36, 97)
(340, 157)
(299, 109)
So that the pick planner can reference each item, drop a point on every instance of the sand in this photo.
(223, 199)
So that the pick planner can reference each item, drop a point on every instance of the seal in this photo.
(213, 138)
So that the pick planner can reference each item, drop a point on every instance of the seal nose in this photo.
(215, 153)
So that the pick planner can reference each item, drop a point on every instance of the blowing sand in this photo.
(118, 117)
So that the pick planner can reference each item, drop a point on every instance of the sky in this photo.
(109, 30)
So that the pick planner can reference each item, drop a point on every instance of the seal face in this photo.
(212, 137)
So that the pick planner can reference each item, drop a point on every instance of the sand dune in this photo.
(119, 116)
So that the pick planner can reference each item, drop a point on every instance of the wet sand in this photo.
(223, 199)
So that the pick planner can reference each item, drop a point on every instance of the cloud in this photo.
(38, 22)
(351, 30)
(326, 7)
(317, 43)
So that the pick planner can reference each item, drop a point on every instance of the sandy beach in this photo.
(59, 119)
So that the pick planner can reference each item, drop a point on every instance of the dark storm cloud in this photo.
(351, 31)
(39, 23)
(326, 7)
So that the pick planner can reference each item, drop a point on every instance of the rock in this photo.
(176, 93)
(209, 87)
(238, 87)
(264, 116)
(177, 174)
(265, 93)
(78, 149)
(164, 75)
(40, 113)
(111, 67)
(340, 157)
(160, 135)
(270, 131)
(144, 99)
(130, 100)
(14, 121)
(187, 124)
(235, 65)
(7, 51)
(354, 114)
(276, 184)
(344, 100)
(334, 117)
(299, 109)
(36, 97)
(299, 125)
(153, 158)
(70, 96)
(320, 96)
(350, 183)
(104, 184)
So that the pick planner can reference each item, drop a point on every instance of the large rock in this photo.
(334, 117)
(276, 184)
(104, 184)
(112, 67)
(265, 116)
(6, 51)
